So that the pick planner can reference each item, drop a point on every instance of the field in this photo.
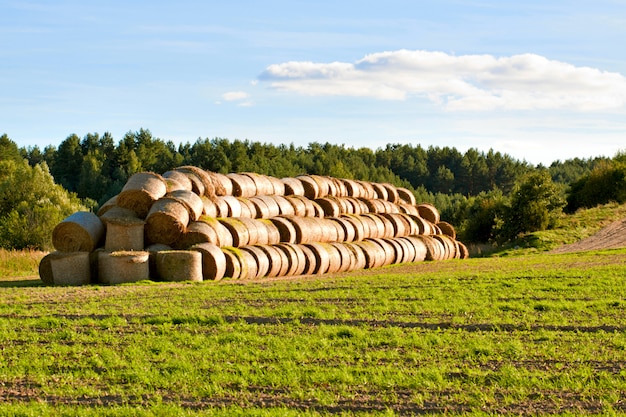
(529, 334)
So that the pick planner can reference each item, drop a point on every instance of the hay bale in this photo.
(190, 200)
(224, 237)
(179, 265)
(407, 209)
(152, 251)
(429, 212)
(249, 265)
(380, 191)
(237, 229)
(392, 193)
(434, 249)
(368, 189)
(462, 250)
(243, 185)
(273, 209)
(285, 208)
(278, 262)
(407, 252)
(141, 191)
(360, 262)
(213, 261)
(108, 205)
(221, 183)
(310, 260)
(406, 196)
(334, 258)
(166, 222)
(294, 263)
(248, 209)
(419, 246)
(449, 247)
(398, 251)
(124, 234)
(221, 206)
(447, 229)
(298, 204)
(209, 207)
(307, 229)
(292, 186)
(256, 230)
(270, 230)
(346, 257)
(357, 225)
(263, 184)
(261, 259)
(340, 186)
(278, 186)
(80, 232)
(180, 178)
(329, 206)
(261, 208)
(400, 226)
(285, 228)
(233, 205)
(233, 263)
(353, 188)
(196, 233)
(374, 254)
(322, 257)
(121, 267)
(311, 187)
(202, 183)
(348, 232)
(66, 268)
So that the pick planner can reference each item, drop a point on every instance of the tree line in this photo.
(476, 191)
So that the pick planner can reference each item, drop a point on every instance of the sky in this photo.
(539, 80)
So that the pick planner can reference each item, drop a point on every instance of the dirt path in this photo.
(610, 237)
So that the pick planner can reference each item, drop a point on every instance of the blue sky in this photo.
(539, 80)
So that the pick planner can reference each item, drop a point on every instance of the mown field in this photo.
(523, 334)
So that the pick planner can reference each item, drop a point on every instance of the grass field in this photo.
(522, 334)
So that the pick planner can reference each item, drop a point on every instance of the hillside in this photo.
(609, 237)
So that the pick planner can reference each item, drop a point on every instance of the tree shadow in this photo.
(16, 282)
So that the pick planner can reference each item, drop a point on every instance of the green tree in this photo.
(483, 214)
(605, 183)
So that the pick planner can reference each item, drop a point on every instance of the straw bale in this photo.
(334, 258)
(317, 210)
(293, 259)
(407, 208)
(152, 250)
(108, 205)
(124, 234)
(347, 228)
(380, 191)
(401, 226)
(310, 262)
(116, 213)
(374, 254)
(249, 265)
(80, 232)
(247, 208)
(233, 205)
(166, 221)
(293, 186)
(261, 258)
(279, 186)
(392, 193)
(298, 204)
(141, 191)
(462, 250)
(353, 188)
(374, 227)
(221, 183)
(272, 205)
(342, 190)
(221, 206)
(67, 268)
(224, 237)
(429, 212)
(285, 207)
(263, 211)
(278, 262)
(449, 248)
(368, 189)
(190, 200)
(213, 261)
(243, 185)
(45, 268)
(311, 187)
(307, 229)
(238, 230)
(406, 195)
(285, 228)
(329, 230)
(447, 229)
(179, 265)
(407, 253)
(434, 249)
(233, 263)
(420, 247)
(263, 185)
(256, 230)
(389, 250)
(271, 231)
(360, 262)
(338, 233)
(209, 207)
(197, 186)
(121, 267)
(180, 178)
(329, 206)
(197, 232)
(388, 226)
(321, 256)
(346, 257)
(203, 176)
(360, 231)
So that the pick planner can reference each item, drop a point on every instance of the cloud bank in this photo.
(466, 82)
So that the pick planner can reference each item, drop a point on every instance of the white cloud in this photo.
(466, 82)
(235, 96)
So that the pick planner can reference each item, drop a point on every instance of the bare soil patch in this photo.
(612, 236)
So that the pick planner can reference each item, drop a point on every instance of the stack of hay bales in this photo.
(191, 224)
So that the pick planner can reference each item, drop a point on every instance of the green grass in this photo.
(501, 335)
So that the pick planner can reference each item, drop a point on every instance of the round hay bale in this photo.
(360, 262)
(66, 268)
(398, 251)
(180, 178)
(249, 265)
(429, 212)
(390, 251)
(462, 250)
(321, 256)
(334, 258)
(237, 229)
(408, 251)
(116, 213)
(307, 229)
(434, 249)
(108, 205)
(166, 222)
(248, 209)
(375, 227)
(221, 183)
(347, 227)
(374, 254)
(399, 224)
(152, 250)
(243, 185)
(311, 187)
(449, 248)
(124, 234)
(266, 206)
(276, 258)
(233, 206)
(380, 191)
(271, 231)
(346, 257)
(179, 265)
(285, 208)
(141, 191)
(368, 189)
(209, 207)
(298, 205)
(293, 186)
(353, 188)
(392, 193)
(329, 206)
(360, 231)
(406, 195)
(233, 263)
(340, 186)
(263, 185)
(208, 189)
(419, 246)
(122, 267)
(329, 230)
(221, 205)
(295, 265)
(339, 234)
(224, 237)
(278, 185)
(317, 210)
(388, 226)
(447, 229)
(80, 232)
(285, 228)
(407, 209)
(423, 226)
(190, 200)
(261, 258)
(197, 232)
(256, 231)
(310, 263)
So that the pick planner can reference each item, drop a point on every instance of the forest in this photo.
(487, 196)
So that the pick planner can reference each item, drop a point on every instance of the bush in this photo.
(605, 183)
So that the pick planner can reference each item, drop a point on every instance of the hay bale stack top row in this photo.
(192, 224)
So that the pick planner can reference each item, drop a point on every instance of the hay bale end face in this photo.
(179, 265)
(141, 191)
(80, 232)
(123, 267)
